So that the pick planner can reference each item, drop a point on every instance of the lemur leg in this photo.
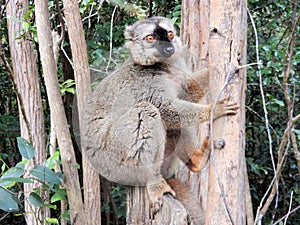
(141, 137)
(182, 148)
(194, 154)
(199, 156)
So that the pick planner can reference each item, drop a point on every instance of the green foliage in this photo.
(10, 179)
(118, 193)
(67, 86)
(176, 15)
(35, 200)
(25, 148)
(274, 23)
(51, 221)
(7, 201)
(45, 174)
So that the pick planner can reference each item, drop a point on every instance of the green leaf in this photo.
(14, 172)
(177, 14)
(3, 167)
(278, 102)
(70, 90)
(177, 8)
(53, 160)
(7, 202)
(14, 179)
(266, 48)
(26, 149)
(26, 26)
(50, 206)
(45, 174)
(58, 196)
(35, 199)
(51, 221)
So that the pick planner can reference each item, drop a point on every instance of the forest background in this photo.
(272, 119)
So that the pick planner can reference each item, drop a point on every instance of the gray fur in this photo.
(142, 118)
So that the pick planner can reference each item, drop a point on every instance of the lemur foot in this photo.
(224, 107)
(155, 192)
(199, 157)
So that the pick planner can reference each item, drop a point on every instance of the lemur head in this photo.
(152, 40)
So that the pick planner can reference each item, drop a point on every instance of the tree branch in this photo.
(111, 36)
(58, 113)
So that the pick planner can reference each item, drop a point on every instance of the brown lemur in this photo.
(140, 121)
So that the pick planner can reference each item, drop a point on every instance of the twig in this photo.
(66, 55)
(288, 59)
(111, 34)
(61, 21)
(71, 63)
(282, 218)
(290, 206)
(89, 24)
(258, 217)
(96, 70)
(250, 64)
(94, 14)
(5, 215)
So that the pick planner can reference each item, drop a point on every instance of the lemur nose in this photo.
(169, 50)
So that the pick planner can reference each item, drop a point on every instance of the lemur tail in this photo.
(188, 200)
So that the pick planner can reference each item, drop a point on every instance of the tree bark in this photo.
(216, 34)
(25, 77)
(91, 179)
(58, 113)
(195, 35)
(227, 51)
(195, 31)
(138, 209)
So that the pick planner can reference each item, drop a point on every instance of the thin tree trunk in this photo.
(195, 34)
(195, 31)
(216, 33)
(227, 51)
(58, 113)
(91, 179)
(25, 76)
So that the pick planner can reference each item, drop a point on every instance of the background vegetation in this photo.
(278, 30)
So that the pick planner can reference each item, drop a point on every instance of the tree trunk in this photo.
(91, 179)
(227, 51)
(216, 33)
(58, 113)
(138, 209)
(25, 76)
(195, 34)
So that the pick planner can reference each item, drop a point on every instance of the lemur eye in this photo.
(150, 38)
(170, 35)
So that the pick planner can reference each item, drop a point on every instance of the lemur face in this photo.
(152, 40)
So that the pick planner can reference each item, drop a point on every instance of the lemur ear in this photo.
(129, 36)
(128, 33)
